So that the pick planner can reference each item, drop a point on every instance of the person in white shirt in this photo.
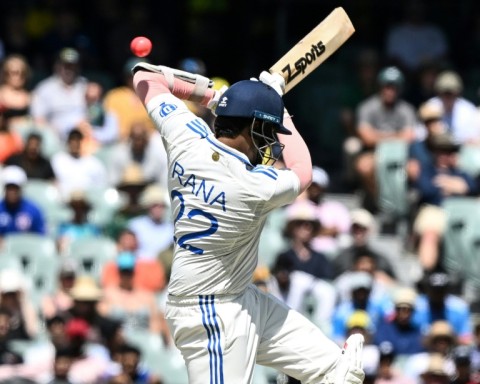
(75, 171)
(221, 193)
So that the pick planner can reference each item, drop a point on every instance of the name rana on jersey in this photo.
(199, 187)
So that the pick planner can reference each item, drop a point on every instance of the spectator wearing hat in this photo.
(333, 216)
(76, 171)
(144, 149)
(439, 339)
(31, 159)
(149, 274)
(18, 214)
(398, 328)
(387, 372)
(438, 303)
(360, 298)
(361, 230)
(459, 114)
(383, 116)
(59, 100)
(125, 104)
(436, 372)
(79, 226)
(24, 324)
(61, 300)
(433, 182)
(154, 229)
(135, 308)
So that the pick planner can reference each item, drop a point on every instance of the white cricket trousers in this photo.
(222, 337)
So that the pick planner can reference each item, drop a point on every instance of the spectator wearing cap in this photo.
(439, 339)
(438, 303)
(459, 114)
(78, 226)
(382, 116)
(24, 324)
(154, 229)
(359, 287)
(10, 141)
(398, 328)
(333, 216)
(59, 100)
(361, 231)
(18, 214)
(387, 372)
(149, 274)
(31, 159)
(125, 104)
(135, 308)
(144, 149)
(61, 300)
(76, 171)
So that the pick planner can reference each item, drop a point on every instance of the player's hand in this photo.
(350, 367)
(212, 104)
(274, 80)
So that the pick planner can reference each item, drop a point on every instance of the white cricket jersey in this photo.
(219, 203)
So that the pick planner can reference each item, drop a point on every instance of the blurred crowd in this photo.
(389, 246)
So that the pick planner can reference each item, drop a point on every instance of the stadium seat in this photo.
(272, 241)
(462, 238)
(105, 203)
(47, 197)
(38, 259)
(91, 253)
(469, 160)
(390, 167)
(51, 143)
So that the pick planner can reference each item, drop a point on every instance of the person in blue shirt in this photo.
(18, 214)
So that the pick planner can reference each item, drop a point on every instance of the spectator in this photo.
(31, 160)
(135, 308)
(438, 303)
(360, 287)
(61, 300)
(361, 231)
(388, 373)
(333, 216)
(7, 355)
(125, 104)
(144, 149)
(463, 365)
(10, 141)
(58, 102)
(154, 229)
(148, 274)
(62, 365)
(459, 114)
(75, 171)
(131, 369)
(17, 213)
(436, 372)
(79, 226)
(437, 180)
(398, 328)
(14, 298)
(414, 41)
(14, 96)
(99, 127)
(440, 339)
(381, 117)
(476, 348)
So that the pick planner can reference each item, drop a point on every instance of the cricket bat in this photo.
(316, 47)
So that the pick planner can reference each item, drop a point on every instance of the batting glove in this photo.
(349, 369)
(212, 104)
(274, 80)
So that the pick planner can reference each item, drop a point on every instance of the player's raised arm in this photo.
(296, 155)
(152, 80)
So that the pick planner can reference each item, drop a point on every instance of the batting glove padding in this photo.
(274, 80)
(350, 367)
(212, 104)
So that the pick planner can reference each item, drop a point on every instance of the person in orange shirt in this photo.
(125, 104)
(148, 274)
(10, 142)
